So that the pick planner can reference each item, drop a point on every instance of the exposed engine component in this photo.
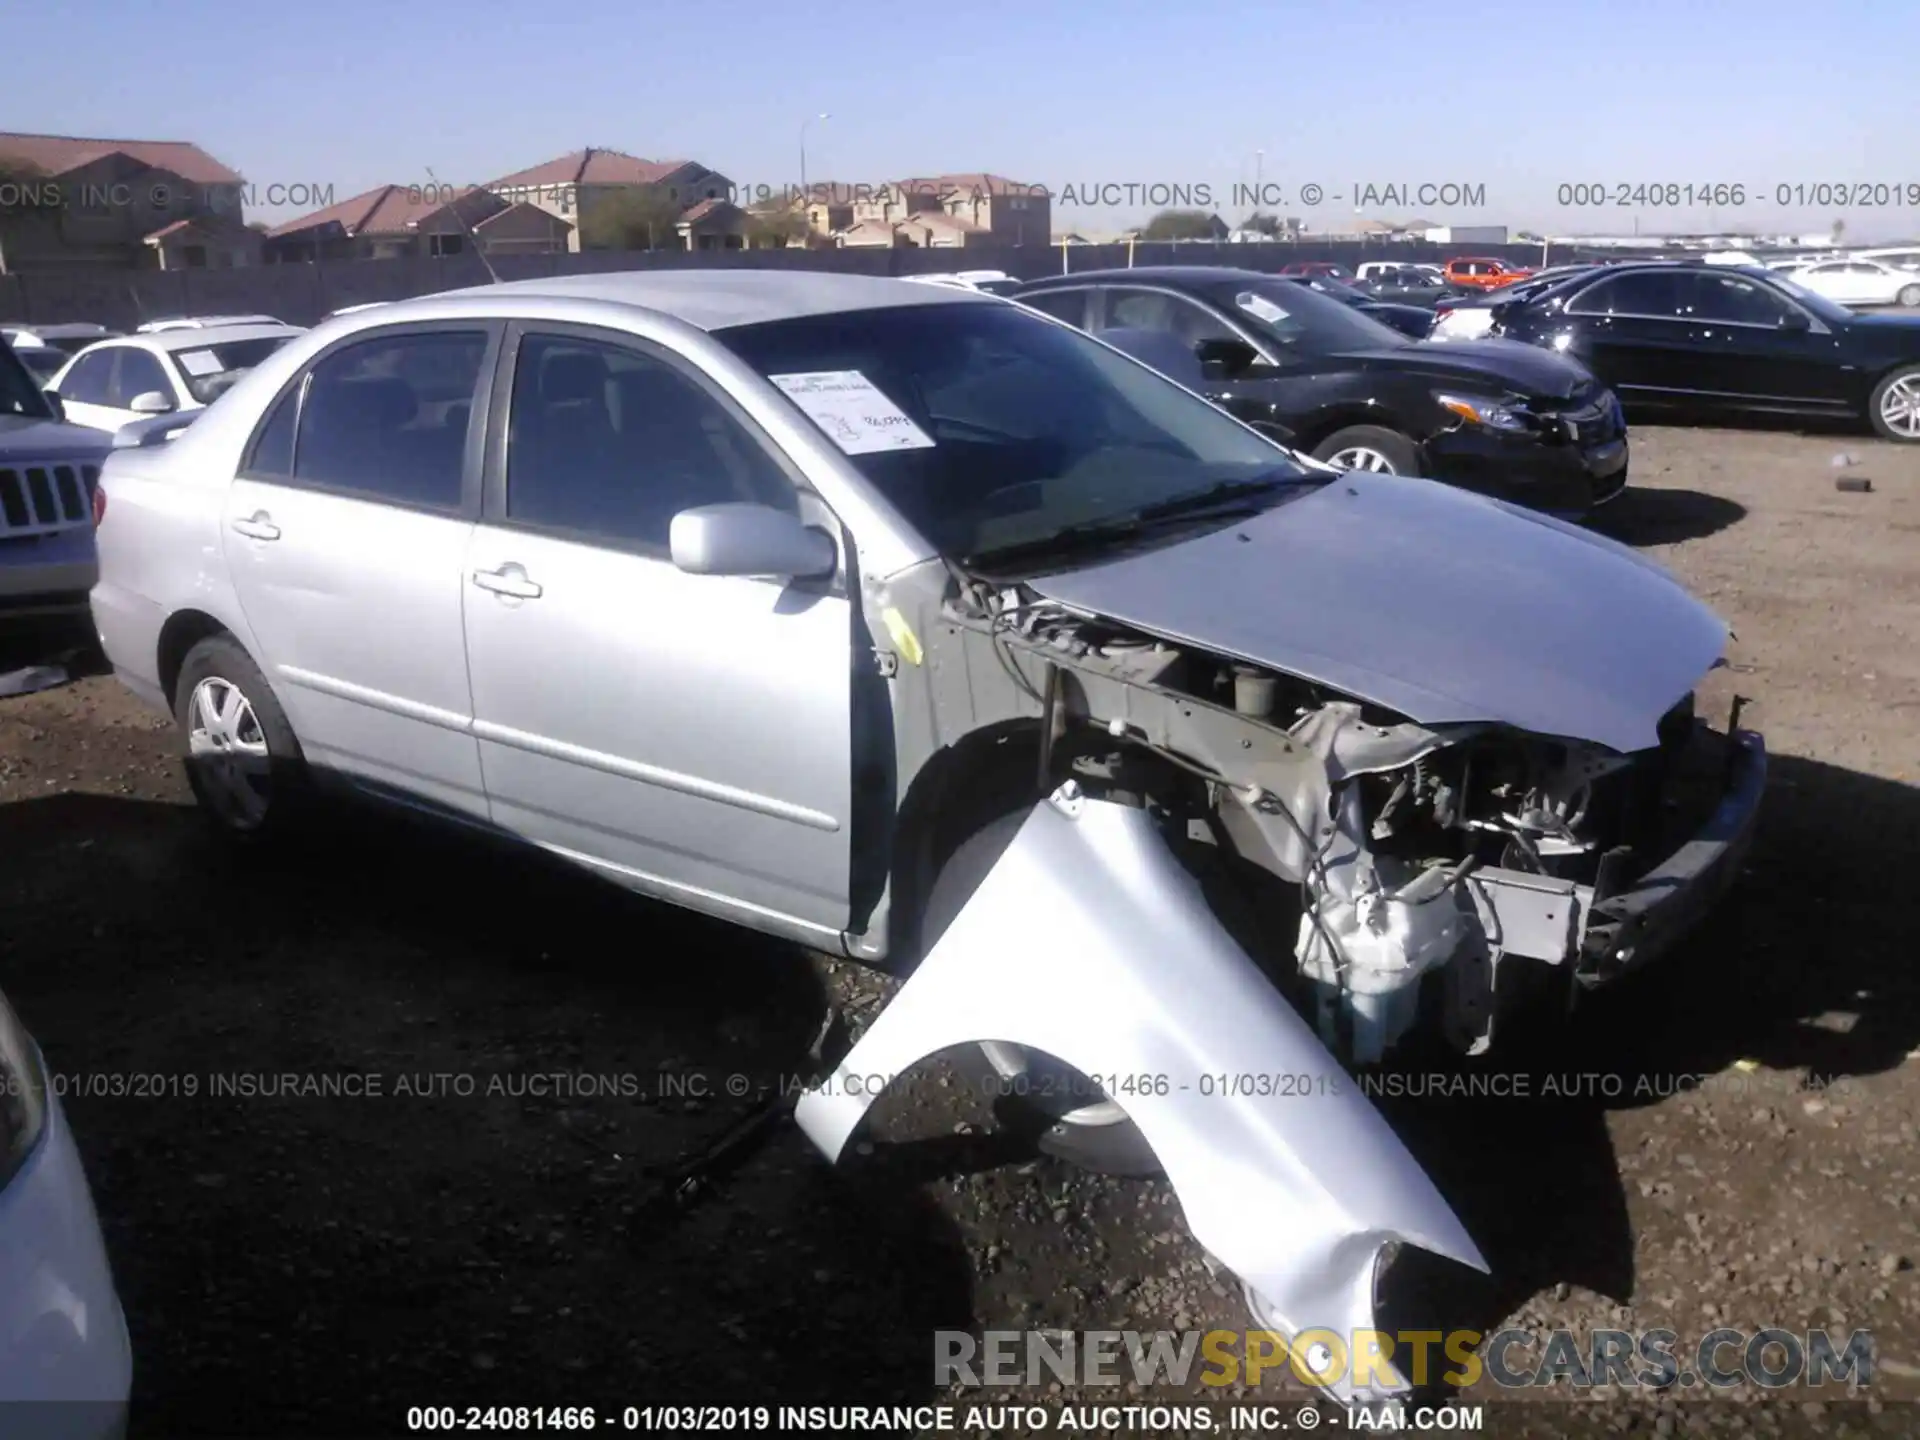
(1411, 849)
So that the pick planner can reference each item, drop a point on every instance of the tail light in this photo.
(99, 504)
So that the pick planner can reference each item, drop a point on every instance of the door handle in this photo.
(508, 580)
(258, 526)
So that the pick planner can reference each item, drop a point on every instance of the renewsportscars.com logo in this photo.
(1773, 1358)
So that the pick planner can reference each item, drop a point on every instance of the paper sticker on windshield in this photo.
(853, 412)
(200, 362)
(1260, 307)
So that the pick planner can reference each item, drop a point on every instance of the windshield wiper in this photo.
(1227, 499)
(1221, 493)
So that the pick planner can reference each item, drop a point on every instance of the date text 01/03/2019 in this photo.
(1718, 194)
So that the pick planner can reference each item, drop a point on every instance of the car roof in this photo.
(166, 342)
(1209, 275)
(720, 299)
(210, 335)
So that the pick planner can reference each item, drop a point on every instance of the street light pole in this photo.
(804, 196)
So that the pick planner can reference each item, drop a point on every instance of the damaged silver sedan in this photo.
(1179, 778)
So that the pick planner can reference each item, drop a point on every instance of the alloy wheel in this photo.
(228, 751)
(1361, 457)
(1900, 407)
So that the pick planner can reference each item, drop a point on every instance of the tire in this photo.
(1103, 1139)
(1896, 387)
(243, 759)
(1909, 296)
(1389, 450)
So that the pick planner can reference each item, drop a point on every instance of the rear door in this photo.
(690, 734)
(346, 531)
(1635, 332)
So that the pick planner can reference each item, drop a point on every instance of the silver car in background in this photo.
(918, 627)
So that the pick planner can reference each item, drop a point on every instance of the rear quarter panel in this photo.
(161, 553)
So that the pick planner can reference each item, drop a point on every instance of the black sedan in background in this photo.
(1320, 377)
(1725, 340)
(1414, 320)
(1406, 285)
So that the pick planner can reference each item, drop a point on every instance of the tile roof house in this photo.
(395, 221)
(584, 187)
(986, 209)
(86, 201)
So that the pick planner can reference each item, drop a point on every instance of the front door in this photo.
(1765, 349)
(690, 734)
(345, 533)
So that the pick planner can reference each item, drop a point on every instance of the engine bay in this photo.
(1417, 864)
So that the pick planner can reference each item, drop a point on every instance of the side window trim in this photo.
(478, 423)
(493, 466)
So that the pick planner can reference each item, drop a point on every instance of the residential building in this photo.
(587, 188)
(949, 211)
(714, 225)
(399, 221)
(68, 200)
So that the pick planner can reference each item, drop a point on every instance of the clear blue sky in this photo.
(1519, 98)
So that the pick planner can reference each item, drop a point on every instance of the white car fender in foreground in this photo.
(1089, 941)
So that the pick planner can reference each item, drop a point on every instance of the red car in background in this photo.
(1472, 272)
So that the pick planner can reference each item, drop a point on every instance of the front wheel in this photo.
(1895, 405)
(1369, 447)
(1072, 1119)
(243, 760)
(1909, 296)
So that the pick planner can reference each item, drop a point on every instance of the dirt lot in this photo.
(475, 1232)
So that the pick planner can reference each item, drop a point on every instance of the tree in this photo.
(774, 223)
(1268, 225)
(638, 217)
(1180, 225)
(1839, 229)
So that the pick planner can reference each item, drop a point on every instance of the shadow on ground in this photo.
(391, 1114)
(1666, 517)
(1812, 932)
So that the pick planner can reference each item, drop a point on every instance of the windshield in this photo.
(19, 390)
(1295, 316)
(990, 428)
(209, 371)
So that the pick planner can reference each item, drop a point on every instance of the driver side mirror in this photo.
(150, 402)
(1795, 320)
(746, 539)
(1226, 359)
(55, 403)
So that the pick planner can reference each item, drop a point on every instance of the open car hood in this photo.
(1443, 606)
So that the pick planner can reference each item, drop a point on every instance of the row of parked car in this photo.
(924, 628)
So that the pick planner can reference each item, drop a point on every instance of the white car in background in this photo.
(203, 322)
(169, 372)
(990, 282)
(65, 1363)
(1903, 257)
(1858, 281)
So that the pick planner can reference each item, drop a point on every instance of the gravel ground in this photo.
(481, 1221)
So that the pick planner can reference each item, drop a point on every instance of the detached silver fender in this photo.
(1089, 941)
